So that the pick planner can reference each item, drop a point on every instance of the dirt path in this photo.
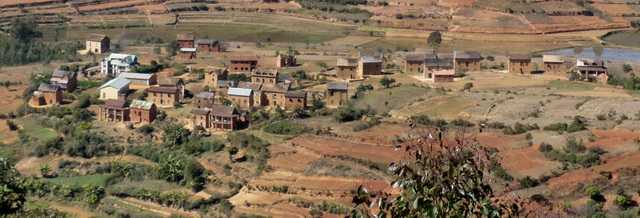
(155, 208)
(74, 211)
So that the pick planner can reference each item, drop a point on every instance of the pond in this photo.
(609, 54)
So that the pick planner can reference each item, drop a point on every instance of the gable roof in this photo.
(443, 60)
(140, 104)
(117, 83)
(164, 89)
(519, 57)
(206, 95)
(338, 86)
(94, 37)
(250, 85)
(61, 73)
(185, 36)
(206, 41)
(415, 57)
(347, 62)
(295, 94)
(221, 110)
(118, 104)
(239, 92)
(144, 76)
(468, 55)
(370, 59)
(48, 88)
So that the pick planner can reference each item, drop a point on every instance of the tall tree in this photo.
(434, 40)
(25, 30)
(12, 191)
(439, 180)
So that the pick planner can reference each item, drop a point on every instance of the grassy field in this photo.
(33, 129)
(385, 100)
(625, 38)
(96, 180)
(571, 85)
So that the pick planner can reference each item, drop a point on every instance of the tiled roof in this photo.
(206, 41)
(117, 83)
(140, 104)
(239, 92)
(519, 57)
(415, 57)
(61, 73)
(164, 89)
(347, 62)
(201, 111)
(442, 60)
(295, 94)
(468, 55)
(221, 110)
(119, 104)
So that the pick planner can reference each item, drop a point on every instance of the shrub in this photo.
(595, 194)
(285, 127)
(558, 127)
(528, 182)
(350, 113)
(544, 147)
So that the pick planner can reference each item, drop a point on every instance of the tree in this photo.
(175, 134)
(12, 191)
(627, 68)
(467, 86)
(25, 30)
(444, 182)
(434, 40)
(387, 82)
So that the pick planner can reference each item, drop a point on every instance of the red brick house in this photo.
(113, 111)
(208, 46)
(142, 111)
(47, 95)
(163, 96)
(295, 99)
(66, 80)
(186, 40)
(245, 63)
(218, 117)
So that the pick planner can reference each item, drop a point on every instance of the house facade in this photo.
(265, 76)
(347, 69)
(204, 99)
(337, 94)
(185, 40)
(592, 70)
(212, 77)
(187, 53)
(295, 99)
(114, 89)
(555, 64)
(113, 111)
(520, 64)
(163, 96)
(46, 95)
(66, 80)
(243, 63)
(208, 46)
(142, 111)
(414, 63)
(98, 44)
(467, 61)
(218, 118)
(241, 97)
(115, 64)
(369, 65)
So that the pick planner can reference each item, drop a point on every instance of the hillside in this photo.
(465, 16)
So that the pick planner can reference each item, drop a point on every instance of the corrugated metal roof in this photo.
(140, 104)
(520, 57)
(552, 59)
(188, 49)
(468, 55)
(370, 59)
(239, 92)
(48, 88)
(117, 83)
(206, 95)
(347, 62)
(145, 76)
(337, 86)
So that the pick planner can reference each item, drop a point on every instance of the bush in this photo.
(350, 113)
(285, 127)
(557, 127)
(544, 147)
(528, 182)
(519, 128)
(595, 194)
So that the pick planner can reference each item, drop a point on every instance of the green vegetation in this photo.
(578, 124)
(349, 113)
(571, 85)
(630, 83)
(384, 100)
(629, 38)
(13, 194)
(284, 127)
(80, 181)
(574, 154)
(519, 128)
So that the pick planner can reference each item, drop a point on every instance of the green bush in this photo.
(528, 182)
(285, 127)
(350, 113)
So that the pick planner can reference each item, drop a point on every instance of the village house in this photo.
(66, 80)
(347, 69)
(222, 87)
(295, 99)
(212, 77)
(205, 100)
(277, 61)
(337, 94)
(218, 118)
(185, 40)
(142, 111)
(592, 70)
(255, 88)
(177, 83)
(115, 64)
(97, 44)
(554, 64)
(520, 64)
(208, 46)
(245, 63)
(113, 111)
(46, 95)
(274, 95)
(264, 76)
(241, 97)
(187, 53)
(369, 65)
(114, 89)
(466, 61)
(414, 63)
(140, 80)
(164, 96)
(439, 68)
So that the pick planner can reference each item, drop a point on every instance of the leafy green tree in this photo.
(25, 30)
(93, 194)
(447, 182)
(12, 191)
(627, 68)
(175, 134)
(434, 40)
(467, 86)
(387, 82)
